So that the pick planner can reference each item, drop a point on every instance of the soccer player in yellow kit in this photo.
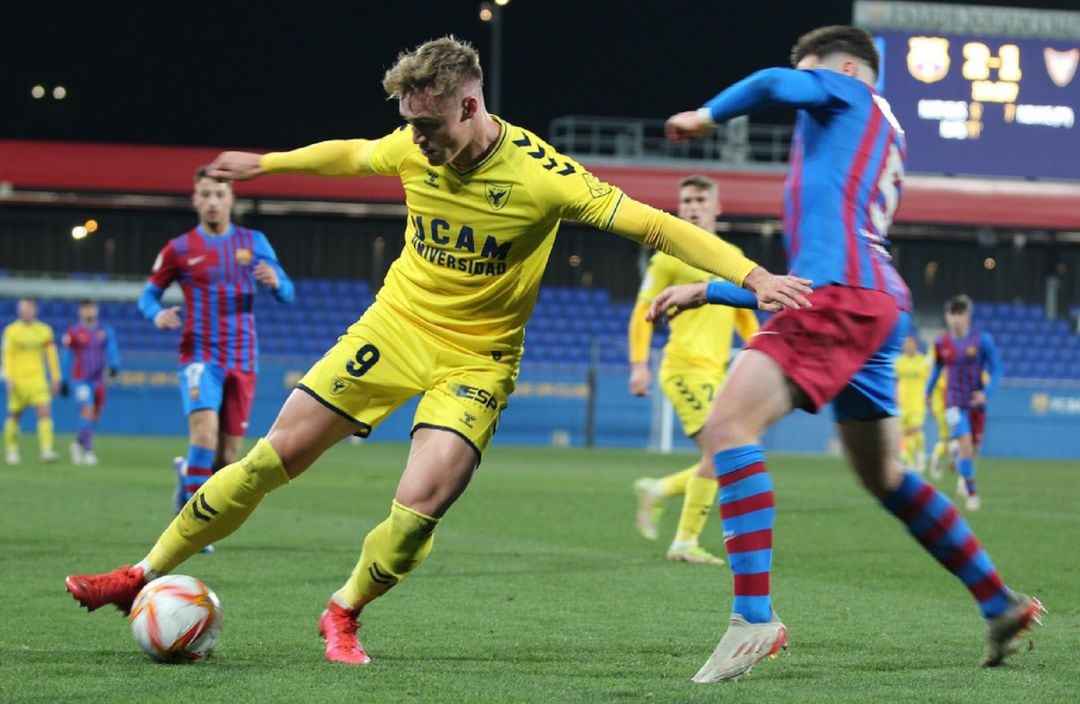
(912, 372)
(28, 344)
(693, 370)
(484, 201)
(937, 407)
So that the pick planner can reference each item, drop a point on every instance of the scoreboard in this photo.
(982, 103)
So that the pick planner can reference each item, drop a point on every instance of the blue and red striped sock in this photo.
(746, 507)
(965, 467)
(200, 461)
(938, 526)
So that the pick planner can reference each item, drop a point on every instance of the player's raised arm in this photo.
(694, 246)
(337, 157)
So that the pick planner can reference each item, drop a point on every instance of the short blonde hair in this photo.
(439, 66)
(698, 181)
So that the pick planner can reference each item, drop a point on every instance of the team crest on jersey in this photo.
(928, 58)
(1040, 403)
(597, 188)
(972, 351)
(497, 194)
(1061, 65)
(243, 256)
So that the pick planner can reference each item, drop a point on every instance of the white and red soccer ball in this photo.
(176, 618)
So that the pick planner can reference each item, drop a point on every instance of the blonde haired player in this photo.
(484, 200)
(912, 372)
(28, 344)
(692, 372)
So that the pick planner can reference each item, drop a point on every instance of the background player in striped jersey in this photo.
(484, 200)
(912, 371)
(967, 354)
(91, 351)
(693, 370)
(218, 266)
(28, 344)
(843, 186)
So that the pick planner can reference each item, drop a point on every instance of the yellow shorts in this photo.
(23, 394)
(381, 362)
(691, 392)
(913, 415)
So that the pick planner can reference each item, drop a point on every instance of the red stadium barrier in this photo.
(127, 168)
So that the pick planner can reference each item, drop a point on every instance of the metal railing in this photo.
(637, 139)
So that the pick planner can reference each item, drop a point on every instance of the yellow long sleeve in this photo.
(746, 323)
(639, 333)
(53, 360)
(5, 360)
(680, 239)
(338, 157)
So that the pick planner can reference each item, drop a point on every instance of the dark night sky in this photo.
(228, 74)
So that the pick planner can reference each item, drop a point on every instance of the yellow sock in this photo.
(45, 434)
(392, 550)
(11, 435)
(675, 484)
(939, 450)
(918, 443)
(220, 506)
(698, 502)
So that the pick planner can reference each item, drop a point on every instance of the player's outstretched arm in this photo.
(235, 166)
(338, 157)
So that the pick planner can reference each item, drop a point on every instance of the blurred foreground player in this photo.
(484, 201)
(692, 372)
(28, 344)
(847, 165)
(90, 352)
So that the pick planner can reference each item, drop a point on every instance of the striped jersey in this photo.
(844, 179)
(965, 360)
(90, 351)
(216, 277)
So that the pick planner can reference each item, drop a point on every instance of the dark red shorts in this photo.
(236, 400)
(821, 348)
(977, 418)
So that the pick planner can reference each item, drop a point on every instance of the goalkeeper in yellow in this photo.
(484, 200)
(692, 372)
(912, 373)
(28, 345)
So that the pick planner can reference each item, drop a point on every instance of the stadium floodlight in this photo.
(79, 232)
(59, 93)
(91, 225)
(502, 3)
(487, 13)
(38, 92)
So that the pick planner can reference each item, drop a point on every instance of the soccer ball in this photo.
(176, 618)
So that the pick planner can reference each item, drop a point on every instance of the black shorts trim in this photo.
(469, 442)
(365, 429)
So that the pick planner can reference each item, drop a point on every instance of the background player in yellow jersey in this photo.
(912, 372)
(937, 408)
(28, 344)
(484, 200)
(693, 369)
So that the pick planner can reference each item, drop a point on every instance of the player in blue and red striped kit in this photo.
(91, 351)
(846, 170)
(966, 353)
(219, 267)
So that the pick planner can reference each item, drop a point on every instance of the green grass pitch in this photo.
(538, 590)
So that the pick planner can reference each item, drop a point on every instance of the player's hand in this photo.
(674, 300)
(775, 293)
(65, 389)
(686, 125)
(168, 319)
(235, 166)
(640, 377)
(266, 274)
(978, 398)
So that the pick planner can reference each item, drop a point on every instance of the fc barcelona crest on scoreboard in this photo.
(1061, 65)
(928, 58)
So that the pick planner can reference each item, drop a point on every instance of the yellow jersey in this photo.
(912, 372)
(699, 338)
(477, 241)
(26, 349)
